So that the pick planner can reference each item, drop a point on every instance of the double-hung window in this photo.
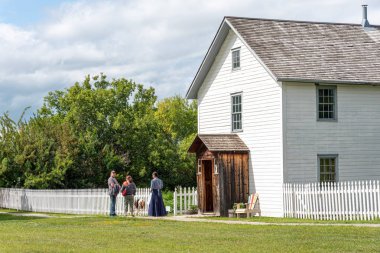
(327, 168)
(236, 117)
(326, 103)
(235, 58)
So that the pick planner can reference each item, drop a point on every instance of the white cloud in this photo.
(159, 43)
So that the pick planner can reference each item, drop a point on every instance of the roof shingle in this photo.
(219, 142)
(311, 51)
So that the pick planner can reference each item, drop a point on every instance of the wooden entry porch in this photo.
(222, 172)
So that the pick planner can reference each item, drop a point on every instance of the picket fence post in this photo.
(175, 202)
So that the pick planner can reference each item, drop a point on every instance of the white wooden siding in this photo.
(355, 136)
(262, 118)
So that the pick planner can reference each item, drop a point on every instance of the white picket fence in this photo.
(183, 199)
(356, 200)
(82, 201)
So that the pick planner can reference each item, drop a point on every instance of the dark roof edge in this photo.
(299, 21)
(327, 81)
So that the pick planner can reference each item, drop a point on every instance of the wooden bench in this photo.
(252, 207)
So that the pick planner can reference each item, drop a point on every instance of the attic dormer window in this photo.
(235, 58)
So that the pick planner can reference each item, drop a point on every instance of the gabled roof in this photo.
(218, 143)
(303, 51)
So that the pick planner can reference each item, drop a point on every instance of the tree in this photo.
(109, 120)
(177, 119)
(82, 133)
(10, 173)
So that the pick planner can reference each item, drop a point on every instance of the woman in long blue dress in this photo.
(156, 205)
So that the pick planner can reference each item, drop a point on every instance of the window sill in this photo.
(237, 131)
(235, 69)
(327, 120)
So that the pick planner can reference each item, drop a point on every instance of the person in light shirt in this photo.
(156, 205)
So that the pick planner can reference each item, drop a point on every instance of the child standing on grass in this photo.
(128, 191)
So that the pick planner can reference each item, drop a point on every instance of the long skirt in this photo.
(156, 205)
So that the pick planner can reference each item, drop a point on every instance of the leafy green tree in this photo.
(47, 153)
(82, 133)
(10, 173)
(109, 120)
(177, 119)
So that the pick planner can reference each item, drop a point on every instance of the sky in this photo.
(47, 45)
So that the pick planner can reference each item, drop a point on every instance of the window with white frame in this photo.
(326, 103)
(327, 168)
(237, 124)
(235, 58)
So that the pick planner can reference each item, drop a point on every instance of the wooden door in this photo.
(208, 186)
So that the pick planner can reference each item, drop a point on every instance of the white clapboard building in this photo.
(304, 97)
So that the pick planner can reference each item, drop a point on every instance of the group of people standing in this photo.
(128, 190)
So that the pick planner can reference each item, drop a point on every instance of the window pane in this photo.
(236, 58)
(326, 103)
(322, 165)
(236, 112)
(327, 169)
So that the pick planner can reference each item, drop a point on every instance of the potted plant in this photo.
(238, 206)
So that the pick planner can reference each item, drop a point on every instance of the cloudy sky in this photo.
(49, 44)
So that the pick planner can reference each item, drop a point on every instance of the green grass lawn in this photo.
(104, 234)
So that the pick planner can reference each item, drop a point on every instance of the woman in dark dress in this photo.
(156, 205)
